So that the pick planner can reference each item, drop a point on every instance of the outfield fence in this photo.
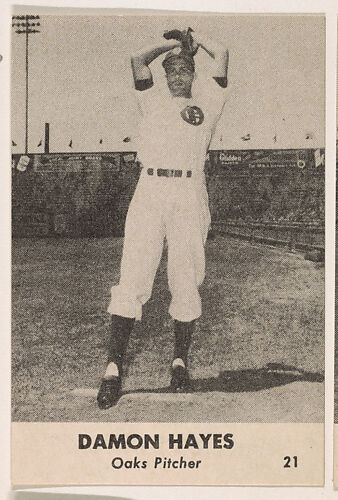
(295, 236)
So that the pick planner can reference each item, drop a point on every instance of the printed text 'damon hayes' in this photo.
(147, 441)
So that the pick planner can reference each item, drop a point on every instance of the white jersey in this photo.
(175, 133)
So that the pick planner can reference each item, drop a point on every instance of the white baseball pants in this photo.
(171, 208)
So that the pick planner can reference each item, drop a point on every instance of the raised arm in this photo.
(140, 61)
(220, 55)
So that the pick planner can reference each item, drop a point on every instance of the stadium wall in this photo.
(88, 194)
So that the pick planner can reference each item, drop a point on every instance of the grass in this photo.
(260, 305)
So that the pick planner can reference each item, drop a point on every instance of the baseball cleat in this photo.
(179, 379)
(109, 392)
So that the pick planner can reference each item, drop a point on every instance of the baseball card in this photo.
(168, 248)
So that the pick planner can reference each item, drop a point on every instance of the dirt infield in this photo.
(257, 354)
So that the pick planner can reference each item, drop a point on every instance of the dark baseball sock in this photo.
(183, 334)
(121, 329)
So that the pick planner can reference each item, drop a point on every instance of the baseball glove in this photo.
(185, 37)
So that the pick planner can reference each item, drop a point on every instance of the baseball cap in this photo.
(182, 55)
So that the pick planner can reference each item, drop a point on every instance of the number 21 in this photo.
(290, 462)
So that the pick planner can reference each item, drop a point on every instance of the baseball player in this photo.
(170, 201)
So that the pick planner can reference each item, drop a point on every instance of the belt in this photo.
(166, 172)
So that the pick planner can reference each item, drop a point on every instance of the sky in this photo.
(80, 79)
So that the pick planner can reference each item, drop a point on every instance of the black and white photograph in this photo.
(168, 221)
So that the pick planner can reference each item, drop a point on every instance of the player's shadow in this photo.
(251, 380)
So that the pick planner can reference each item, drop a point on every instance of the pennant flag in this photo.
(246, 137)
(127, 139)
(101, 141)
(14, 143)
(40, 143)
(71, 143)
(275, 138)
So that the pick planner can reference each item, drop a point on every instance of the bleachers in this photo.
(266, 195)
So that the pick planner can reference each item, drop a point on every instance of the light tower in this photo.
(26, 25)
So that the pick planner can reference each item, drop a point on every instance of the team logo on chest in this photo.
(193, 115)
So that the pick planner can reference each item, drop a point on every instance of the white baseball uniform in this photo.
(174, 133)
